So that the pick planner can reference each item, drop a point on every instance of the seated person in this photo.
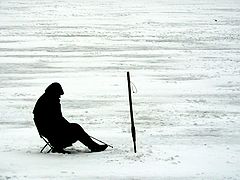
(52, 125)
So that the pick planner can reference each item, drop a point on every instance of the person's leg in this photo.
(79, 133)
(82, 136)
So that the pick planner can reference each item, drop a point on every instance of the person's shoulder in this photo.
(42, 98)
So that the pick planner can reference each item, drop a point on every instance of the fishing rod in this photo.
(101, 141)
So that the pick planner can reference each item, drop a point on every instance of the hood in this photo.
(54, 88)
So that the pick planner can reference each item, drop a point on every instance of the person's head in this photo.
(55, 90)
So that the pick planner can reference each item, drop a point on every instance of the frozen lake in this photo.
(184, 59)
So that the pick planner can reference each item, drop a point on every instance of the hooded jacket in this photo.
(48, 115)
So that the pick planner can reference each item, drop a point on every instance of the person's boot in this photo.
(99, 148)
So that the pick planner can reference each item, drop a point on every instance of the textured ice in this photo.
(184, 59)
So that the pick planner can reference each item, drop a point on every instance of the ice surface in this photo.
(183, 56)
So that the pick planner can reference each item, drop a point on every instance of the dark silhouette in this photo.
(52, 125)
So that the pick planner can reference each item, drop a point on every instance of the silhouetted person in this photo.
(53, 126)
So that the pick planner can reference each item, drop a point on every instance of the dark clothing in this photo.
(52, 125)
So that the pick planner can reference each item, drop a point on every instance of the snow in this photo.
(183, 57)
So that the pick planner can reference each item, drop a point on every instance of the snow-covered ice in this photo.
(184, 59)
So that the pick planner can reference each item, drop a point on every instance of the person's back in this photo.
(46, 114)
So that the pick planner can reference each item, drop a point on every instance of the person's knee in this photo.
(76, 128)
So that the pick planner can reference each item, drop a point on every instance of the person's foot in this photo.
(99, 148)
(60, 150)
